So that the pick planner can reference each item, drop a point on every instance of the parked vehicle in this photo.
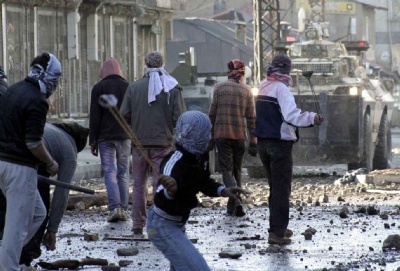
(197, 95)
(355, 103)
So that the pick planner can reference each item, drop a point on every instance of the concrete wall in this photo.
(82, 34)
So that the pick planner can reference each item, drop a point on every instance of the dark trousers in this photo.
(32, 249)
(276, 156)
(230, 157)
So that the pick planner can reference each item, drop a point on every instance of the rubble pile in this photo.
(336, 227)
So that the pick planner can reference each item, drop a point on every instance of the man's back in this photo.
(62, 148)
(152, 123)
(232, 104)
(103, 125)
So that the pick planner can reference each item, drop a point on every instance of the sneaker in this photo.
(288, 233)
(24, 267)
(123, 214)
(274, 239)
(137, 231)
(239, 210)
(114, 215)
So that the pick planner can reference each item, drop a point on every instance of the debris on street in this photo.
(360, 241)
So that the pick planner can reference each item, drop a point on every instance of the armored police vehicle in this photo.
(355, 103)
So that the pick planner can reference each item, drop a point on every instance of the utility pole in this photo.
(267, 28)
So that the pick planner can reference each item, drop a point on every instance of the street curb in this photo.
(87, 171)
(382, 179)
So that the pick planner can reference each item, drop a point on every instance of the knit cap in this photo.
(281, 63)
(193, 131)
(154, 60)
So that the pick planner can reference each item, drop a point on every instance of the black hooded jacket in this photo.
(103, 125)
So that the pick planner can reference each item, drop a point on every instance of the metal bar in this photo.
(323, 98)
(65, 185)
(315, 97)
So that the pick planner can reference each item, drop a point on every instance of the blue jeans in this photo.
(114, 156)
(276, 156)
(170, 238)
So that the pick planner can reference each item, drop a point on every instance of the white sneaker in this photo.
(123, 214)
(114, 215)
(24, 267)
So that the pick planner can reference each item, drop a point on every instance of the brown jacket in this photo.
(231, 108)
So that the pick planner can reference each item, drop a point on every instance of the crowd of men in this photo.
(169, 144)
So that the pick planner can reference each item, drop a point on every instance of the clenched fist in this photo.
(318, 119)
(169, 183)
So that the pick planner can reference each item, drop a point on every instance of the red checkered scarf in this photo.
(284, 78)
(236, 69)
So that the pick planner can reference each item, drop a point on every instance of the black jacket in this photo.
(192, 175)
(23, 111)
(102, 123)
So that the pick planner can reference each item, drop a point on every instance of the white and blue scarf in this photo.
(159, 80)
(48, 78)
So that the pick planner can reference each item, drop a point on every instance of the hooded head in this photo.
(77, 132)
(154, 60)
(281, 63)
(46, 69)
(236, 69)
(193, 131)
(110, 66)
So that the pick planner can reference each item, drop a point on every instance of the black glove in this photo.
(252, 149)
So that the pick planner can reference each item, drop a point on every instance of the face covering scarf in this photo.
(48, 79)
(193, 131)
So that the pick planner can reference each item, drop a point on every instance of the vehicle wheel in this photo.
(389, 143)
(382, 150)
(366, 159)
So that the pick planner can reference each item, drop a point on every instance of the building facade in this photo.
(82, 34)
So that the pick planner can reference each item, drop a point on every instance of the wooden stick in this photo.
(93, 261)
